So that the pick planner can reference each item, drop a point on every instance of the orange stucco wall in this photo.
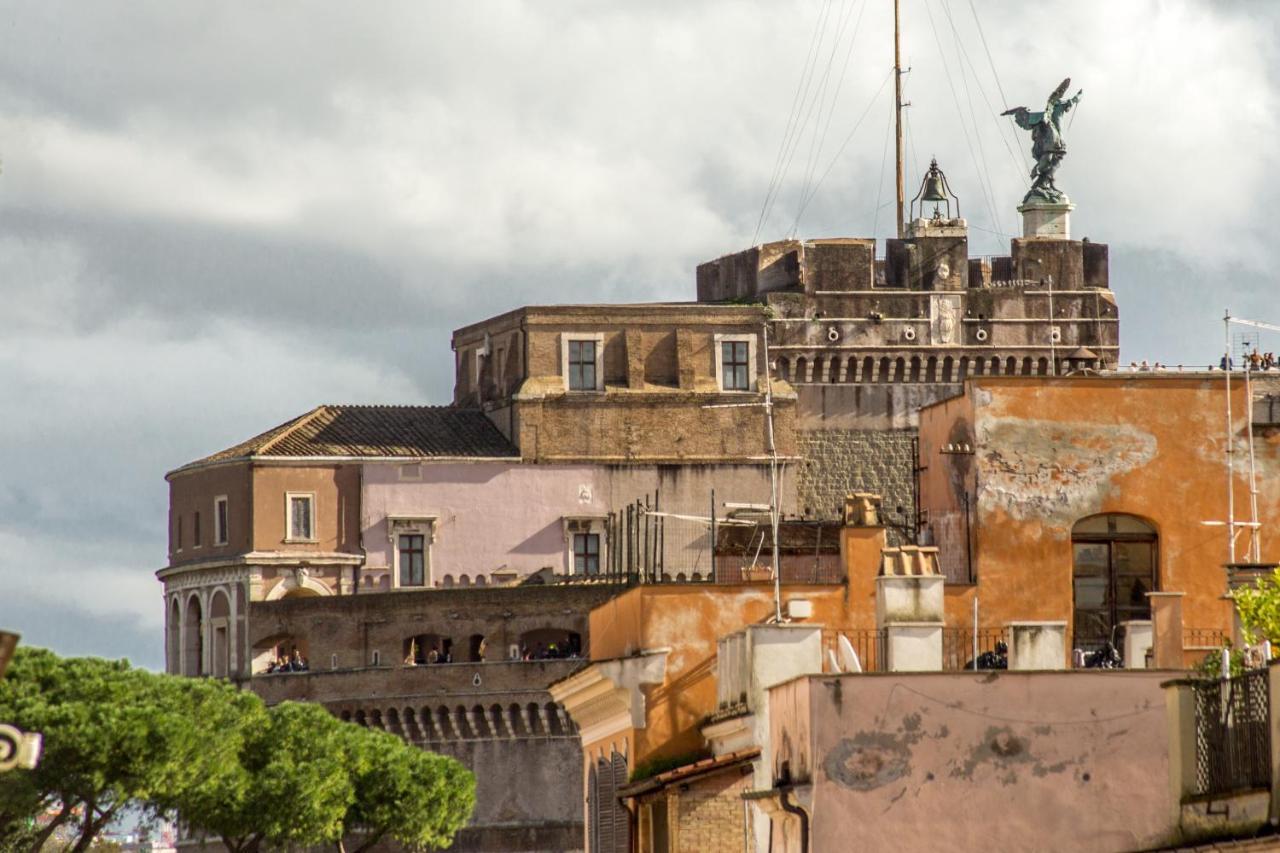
(689, 620)
(1048, 453)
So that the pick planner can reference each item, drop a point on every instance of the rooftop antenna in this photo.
(1255, 543)
(897, 109)
(774, 508)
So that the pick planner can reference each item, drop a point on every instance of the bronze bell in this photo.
(933, 190)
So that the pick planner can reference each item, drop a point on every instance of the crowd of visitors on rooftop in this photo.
(292, 662)
(1254, 361)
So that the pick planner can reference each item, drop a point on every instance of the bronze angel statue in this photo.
(1047, 144)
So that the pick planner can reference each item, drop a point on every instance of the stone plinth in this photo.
(908, 599)
(1166, 630)
(914, 646)
(937, 228)
(1138, 640)
(909, 608)
(1037, 645)
(1043, 219)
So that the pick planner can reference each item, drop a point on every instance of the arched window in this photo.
(1114, 566)
(174, 649)
(220, 622)
(193, 638)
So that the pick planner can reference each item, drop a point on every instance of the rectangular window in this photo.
(412, 559)
(582, 365)
(195, 531)
(586, 553)
(177, 536)
(734, 374)
(220, 521)
(301, 517)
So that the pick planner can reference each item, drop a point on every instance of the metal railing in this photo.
(1233, 735)
(648, 541)
(870, 644)
(1203, 638)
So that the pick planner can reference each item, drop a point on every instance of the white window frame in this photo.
(752, 383)
(197, 534)
(220, 536)
(288, 517)
(590, 524)
(411, 525)
(414, 477)
(598, 339)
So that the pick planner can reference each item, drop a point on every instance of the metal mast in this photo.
(897, 109)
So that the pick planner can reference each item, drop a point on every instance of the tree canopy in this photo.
(249, 775)
(1259, 607)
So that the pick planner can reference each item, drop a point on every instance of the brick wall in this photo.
(839, 461)
(710, 815)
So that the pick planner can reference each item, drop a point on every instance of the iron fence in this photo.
(1233, 736)
(649, 542)
(957, 646)
(1203, 638)
(869, 644)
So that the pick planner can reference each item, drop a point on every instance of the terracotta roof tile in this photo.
(688, 771)
(372, 431)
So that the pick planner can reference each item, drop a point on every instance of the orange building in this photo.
(1077, 498)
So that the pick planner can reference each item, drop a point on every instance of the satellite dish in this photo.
(831, 660)
(848, 657)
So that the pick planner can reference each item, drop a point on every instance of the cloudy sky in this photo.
(214, 216)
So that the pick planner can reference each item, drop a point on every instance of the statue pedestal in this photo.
(1046, 219)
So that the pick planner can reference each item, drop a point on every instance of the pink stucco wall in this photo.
(508, 516)
(1008, 761)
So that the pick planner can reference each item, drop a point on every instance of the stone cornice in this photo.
(265, 558)
(607, 697)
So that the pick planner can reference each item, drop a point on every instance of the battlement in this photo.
(937, 262)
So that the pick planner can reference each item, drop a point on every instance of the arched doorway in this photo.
(1114, 566)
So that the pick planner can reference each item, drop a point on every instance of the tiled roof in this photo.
(371, 431)
(688, 771)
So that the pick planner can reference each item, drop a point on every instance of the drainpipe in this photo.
(791, 808)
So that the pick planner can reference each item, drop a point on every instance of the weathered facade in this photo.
(867, 341)
(1035, 760)
(633, 384)
(488, 707)
(1075, 498)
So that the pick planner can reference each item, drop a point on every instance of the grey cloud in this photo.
(214, 216)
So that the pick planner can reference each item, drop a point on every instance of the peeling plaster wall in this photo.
(1015, 761)
(689, 621)
(1049, 452)
(1055, 472)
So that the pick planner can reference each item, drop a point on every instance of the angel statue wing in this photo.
(1060, 91)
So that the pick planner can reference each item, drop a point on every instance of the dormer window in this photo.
(736, 362)
(582, 359)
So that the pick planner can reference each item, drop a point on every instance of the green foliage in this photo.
(1259, 607)
(284, 777)
(112, 735)
(1211, 666)
(417, 798)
